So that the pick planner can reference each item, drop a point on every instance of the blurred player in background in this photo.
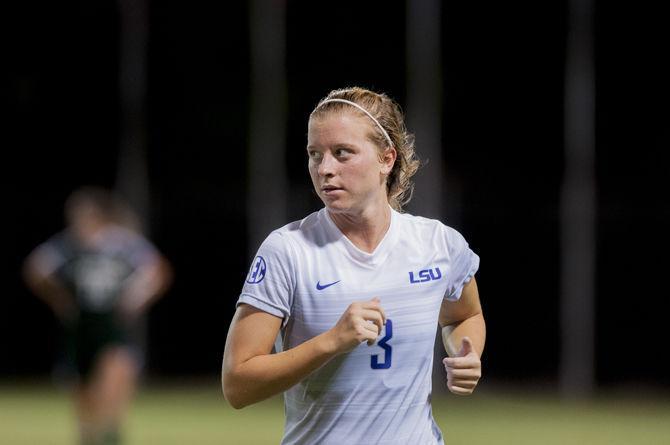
(99, 276)
(356, 290)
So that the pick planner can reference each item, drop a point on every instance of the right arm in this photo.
(48, 288)
(251, 373)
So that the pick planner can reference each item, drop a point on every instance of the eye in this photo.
(314, 155)
(342, 152)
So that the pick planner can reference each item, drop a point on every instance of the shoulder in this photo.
(416, 223)
(296, 231)
(430, 228)
(49, 256)
(419, 222)
(278, 254)
(121, 236)
(309, 223)
(124, 243)
(62, 243)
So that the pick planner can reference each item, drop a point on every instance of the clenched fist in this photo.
(362, 321)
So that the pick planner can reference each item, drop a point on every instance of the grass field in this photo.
(198, 415)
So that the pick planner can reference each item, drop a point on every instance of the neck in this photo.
(89, 234)
(365, 229)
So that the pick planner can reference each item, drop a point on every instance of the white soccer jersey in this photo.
(308, 273)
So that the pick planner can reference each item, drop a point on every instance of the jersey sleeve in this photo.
(463, 263)
(50, 256)
(270, 282)
(142, 252)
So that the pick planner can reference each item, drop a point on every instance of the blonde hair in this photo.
(387, 114)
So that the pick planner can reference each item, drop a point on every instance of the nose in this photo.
(327, 165)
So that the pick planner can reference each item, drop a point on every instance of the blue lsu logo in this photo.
(425, 275)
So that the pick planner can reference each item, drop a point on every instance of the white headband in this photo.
(354, 104)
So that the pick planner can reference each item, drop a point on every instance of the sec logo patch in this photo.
(257, 271)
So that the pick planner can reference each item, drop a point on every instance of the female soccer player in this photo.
(99, 276)
(356, 290)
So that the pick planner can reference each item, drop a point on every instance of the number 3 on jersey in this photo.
(388, 351)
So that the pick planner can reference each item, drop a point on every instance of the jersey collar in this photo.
(380, 253)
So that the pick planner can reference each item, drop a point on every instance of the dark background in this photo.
(503, 76)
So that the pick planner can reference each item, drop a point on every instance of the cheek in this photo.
(360, 175)
(312, 169)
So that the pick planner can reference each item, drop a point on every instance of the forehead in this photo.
(339, 125)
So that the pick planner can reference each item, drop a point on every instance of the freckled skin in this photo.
(342, 155)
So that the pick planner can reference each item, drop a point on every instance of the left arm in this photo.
(464, 336)
(145, 286)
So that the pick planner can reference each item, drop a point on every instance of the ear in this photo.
(387, 159)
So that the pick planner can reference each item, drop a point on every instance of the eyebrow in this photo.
(338, 145)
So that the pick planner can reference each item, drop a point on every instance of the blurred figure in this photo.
(99, 276)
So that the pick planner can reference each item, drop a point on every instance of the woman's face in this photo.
(345, 165)
(85, 221)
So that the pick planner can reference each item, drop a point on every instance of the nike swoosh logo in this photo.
(322, 287)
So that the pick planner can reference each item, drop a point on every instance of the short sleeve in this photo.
(463, 262)
(270, 282)
(142, 252)
(50, 256)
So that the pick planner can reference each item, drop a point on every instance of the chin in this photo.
(341, 208)
(336, 206)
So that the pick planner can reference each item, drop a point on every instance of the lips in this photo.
(330, 188)
(330, 191)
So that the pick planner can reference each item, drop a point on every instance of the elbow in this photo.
(166, 274)
(235, 404)
(233, 399)
(231, 392)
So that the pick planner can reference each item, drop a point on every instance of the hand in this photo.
(66, 313)
(128, 309)
(362, 321)
(63, 306)
(464, 370)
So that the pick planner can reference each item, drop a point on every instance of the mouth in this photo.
(330, 188)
